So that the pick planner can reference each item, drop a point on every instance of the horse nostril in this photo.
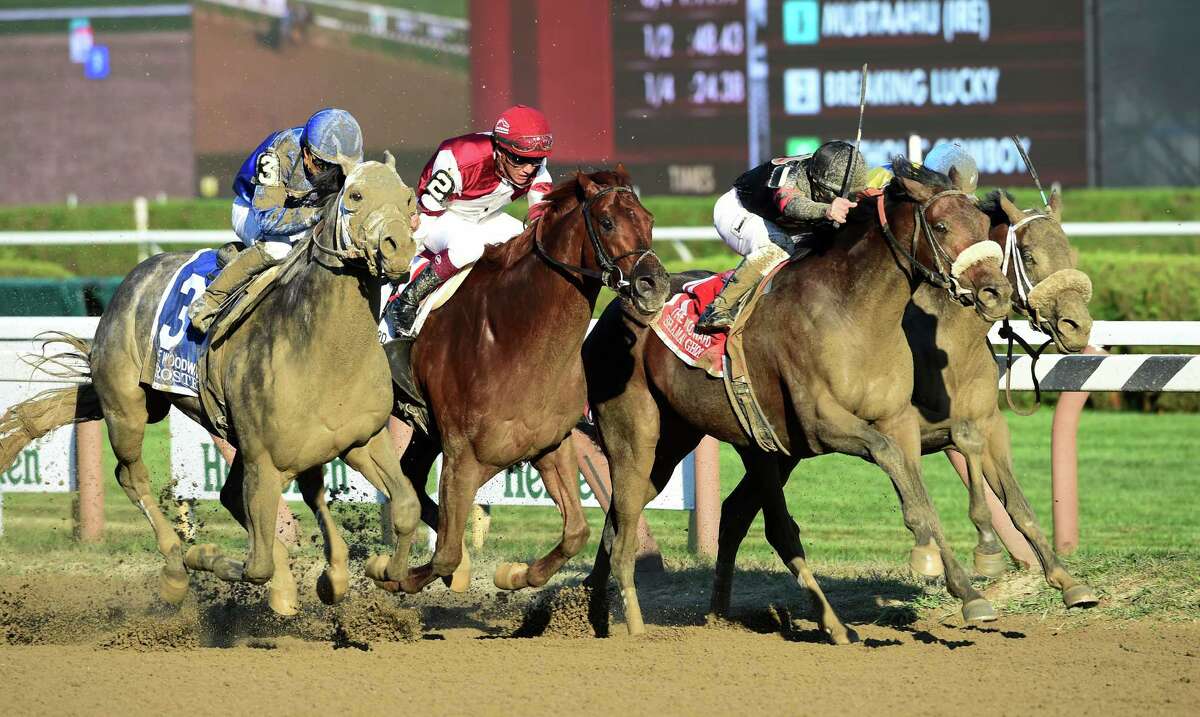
(989, 296)
(644, 285)
(1067, 327)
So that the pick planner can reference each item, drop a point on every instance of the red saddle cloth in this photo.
(676, 325)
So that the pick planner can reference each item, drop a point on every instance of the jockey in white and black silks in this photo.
(279, 194)
(770, 208)
(462, 194)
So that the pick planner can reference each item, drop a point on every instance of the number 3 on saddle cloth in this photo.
(718, 355)
(176, 345)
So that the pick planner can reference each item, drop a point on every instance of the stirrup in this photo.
(714, 320)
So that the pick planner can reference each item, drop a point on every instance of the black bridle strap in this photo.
(939, 277)
(609, 274)
(1007, 332)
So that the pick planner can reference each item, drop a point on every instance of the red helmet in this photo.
(524, 131)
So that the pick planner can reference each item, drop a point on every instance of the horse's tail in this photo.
(31, 419)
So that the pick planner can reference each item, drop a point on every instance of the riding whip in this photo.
(862, 106)
(1029, 165)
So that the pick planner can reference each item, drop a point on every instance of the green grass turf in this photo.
(1138, 489)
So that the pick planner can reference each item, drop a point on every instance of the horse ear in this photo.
(389, 160)
(623, 174)
(1056, 205)
(915, 189)
(586, 184)
(1010, 210)
(954, 177)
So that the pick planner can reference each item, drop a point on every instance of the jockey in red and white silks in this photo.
(462, 194)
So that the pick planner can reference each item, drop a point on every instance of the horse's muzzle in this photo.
(649, 286)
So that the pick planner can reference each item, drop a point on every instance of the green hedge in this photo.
(1147, 287)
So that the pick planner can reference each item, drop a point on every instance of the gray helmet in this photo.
(827, 169)
(333, 136)
(946, 156)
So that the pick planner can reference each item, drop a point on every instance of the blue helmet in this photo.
(333, 136)
(946, 156)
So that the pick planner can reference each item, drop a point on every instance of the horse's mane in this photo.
(563, 199)
(904, 169)
(990, 205)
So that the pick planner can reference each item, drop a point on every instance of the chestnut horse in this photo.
(499, 364)
(831, 367)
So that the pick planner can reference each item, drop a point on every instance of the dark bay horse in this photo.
(499, 364)
(954, 393)
(300, 375)
(832, 370)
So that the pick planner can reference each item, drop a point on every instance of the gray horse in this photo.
(299, 377)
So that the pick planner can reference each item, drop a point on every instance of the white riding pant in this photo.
(744, 231)
(245, 225)
(463, 239)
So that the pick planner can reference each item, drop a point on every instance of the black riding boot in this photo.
(404, 308)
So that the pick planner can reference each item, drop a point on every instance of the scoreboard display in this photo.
(705, 88)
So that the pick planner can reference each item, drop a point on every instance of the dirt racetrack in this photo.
(99, 644)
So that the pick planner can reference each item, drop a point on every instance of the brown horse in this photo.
(955, 394)
(499, 364)
(299, 377)
(832, 370)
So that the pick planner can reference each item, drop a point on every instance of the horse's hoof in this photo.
(990, 565)
(979, 610)
(1080, 596)
(460, 579)
(172, 586)
(926, 560)
(843, 636)
(376, 567)
(390, 586)
(332, 585)
(511, 576)
(284, 602)
(200, 557)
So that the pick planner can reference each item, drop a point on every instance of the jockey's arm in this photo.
(440, 184)
(796, 202)
(276, 218)
(541, 186)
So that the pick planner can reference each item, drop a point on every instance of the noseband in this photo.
(609, 274)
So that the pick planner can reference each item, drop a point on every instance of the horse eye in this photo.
(1027, 256)
(607, 224)
(356, 196)
(941, 227)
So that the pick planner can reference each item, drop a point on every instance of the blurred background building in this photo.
(109, 99)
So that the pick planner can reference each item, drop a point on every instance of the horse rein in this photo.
(609, 274)
(938, 276)
(1024, 286)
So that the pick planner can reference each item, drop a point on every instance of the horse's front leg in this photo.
(559, 469)
(334, 582)
(377, 462)
(990, 559)
(268, 554)
(997, 469)
(894, 444)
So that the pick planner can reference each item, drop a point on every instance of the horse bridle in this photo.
(343, 252)
(609, 274)
(1024, 287)
(939, 276)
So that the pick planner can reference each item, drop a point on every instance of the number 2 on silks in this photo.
(169, 338)
(440, 185)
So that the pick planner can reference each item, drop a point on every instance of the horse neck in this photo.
(557, 301)
(876, 281)
(328, 303)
